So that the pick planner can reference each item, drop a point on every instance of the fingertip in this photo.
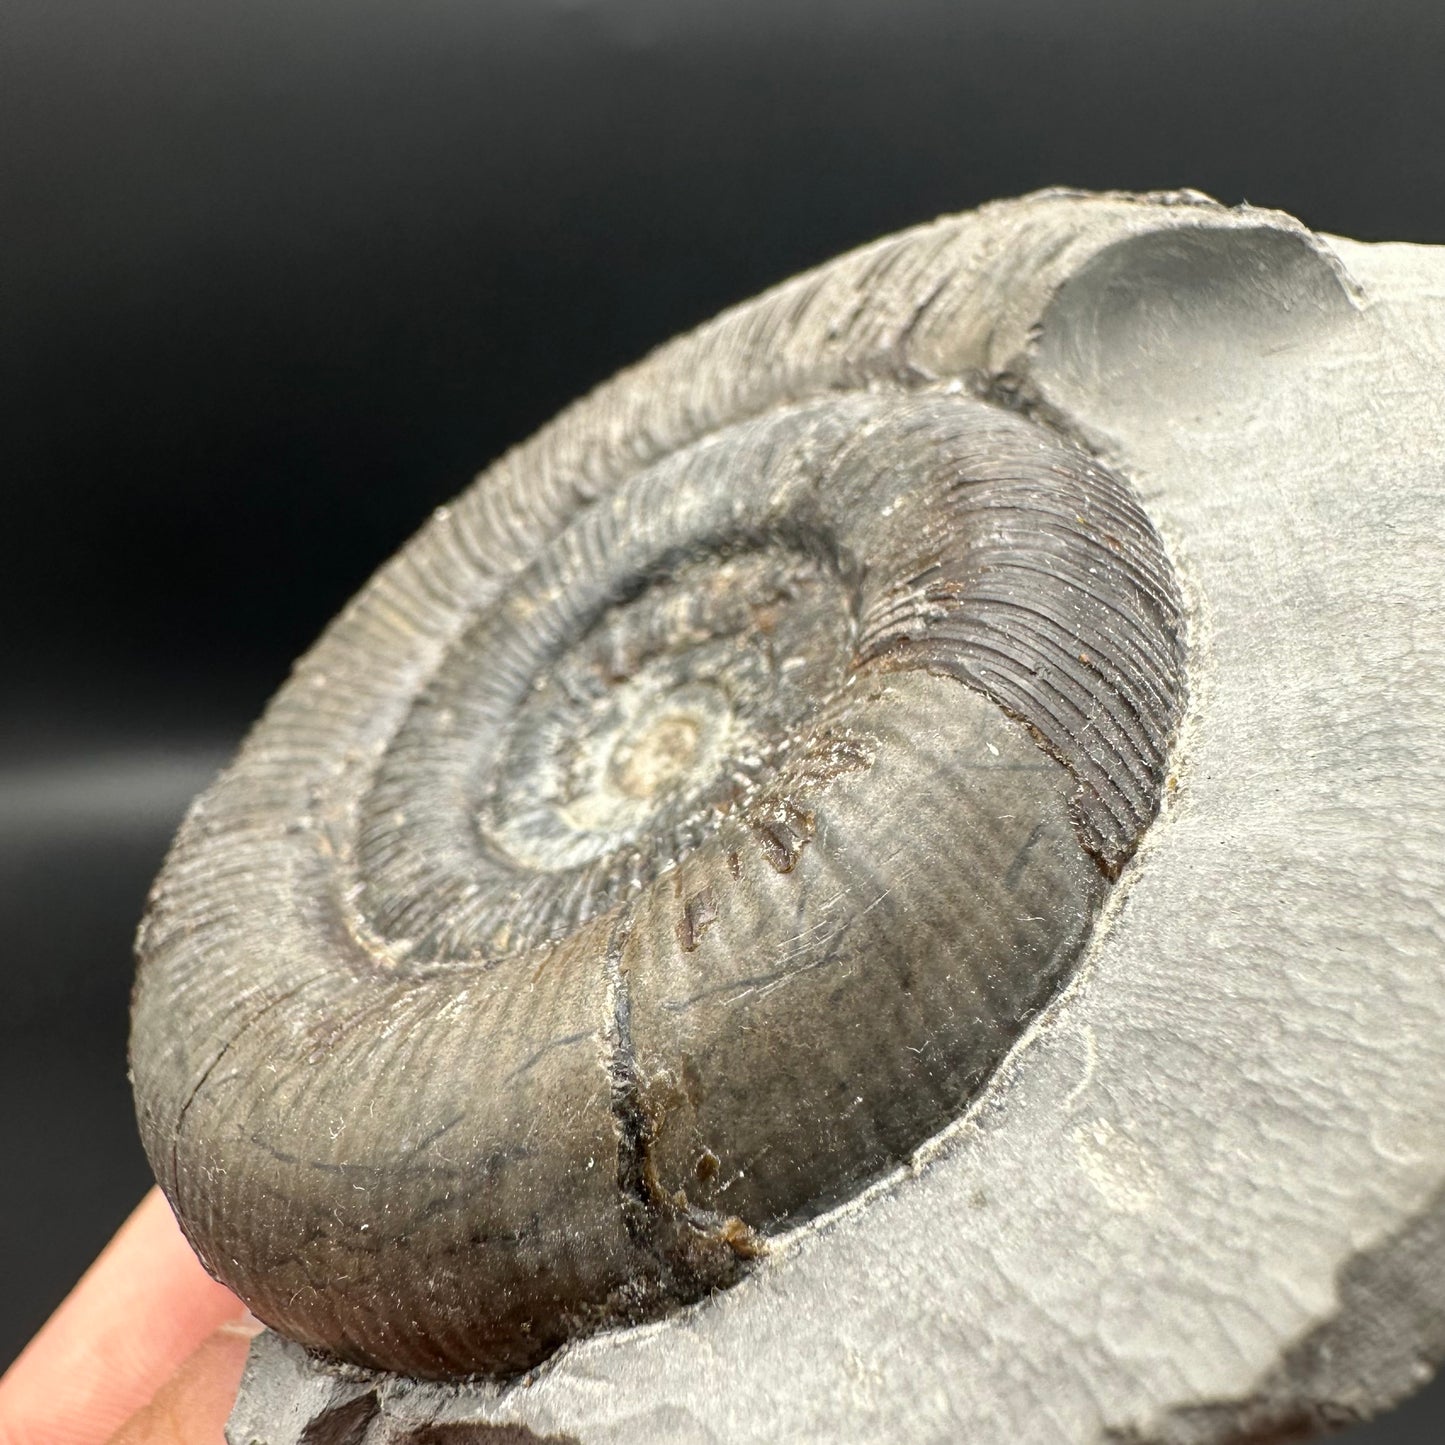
(192, 1406)
(137, 1313)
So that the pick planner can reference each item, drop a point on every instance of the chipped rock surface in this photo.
(1204, 1198)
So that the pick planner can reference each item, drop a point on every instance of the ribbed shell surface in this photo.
(672, 837)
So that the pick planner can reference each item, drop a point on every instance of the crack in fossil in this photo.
(693, 1250)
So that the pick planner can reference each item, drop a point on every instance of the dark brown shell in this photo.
(670, 839)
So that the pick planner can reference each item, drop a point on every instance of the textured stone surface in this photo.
(1203, 1199)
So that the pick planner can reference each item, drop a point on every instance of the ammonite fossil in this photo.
(673, 837)
(632, 889)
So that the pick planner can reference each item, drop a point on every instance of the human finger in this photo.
(138, 1312)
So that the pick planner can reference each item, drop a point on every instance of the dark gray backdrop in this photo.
(276, 279)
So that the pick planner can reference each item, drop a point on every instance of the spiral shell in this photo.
(670, 839)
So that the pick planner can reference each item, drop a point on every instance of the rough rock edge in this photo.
(1338, 1375)
(1346, 1371)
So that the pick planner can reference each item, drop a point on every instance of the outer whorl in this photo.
(670, 839)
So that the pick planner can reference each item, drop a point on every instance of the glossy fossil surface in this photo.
(673, 837)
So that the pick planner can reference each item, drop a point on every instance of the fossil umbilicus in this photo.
(661, 876)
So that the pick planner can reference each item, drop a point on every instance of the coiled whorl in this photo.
(645, 861)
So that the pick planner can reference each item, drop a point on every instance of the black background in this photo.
(275, 279)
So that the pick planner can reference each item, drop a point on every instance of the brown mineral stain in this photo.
(782, 830)
(699, 913)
